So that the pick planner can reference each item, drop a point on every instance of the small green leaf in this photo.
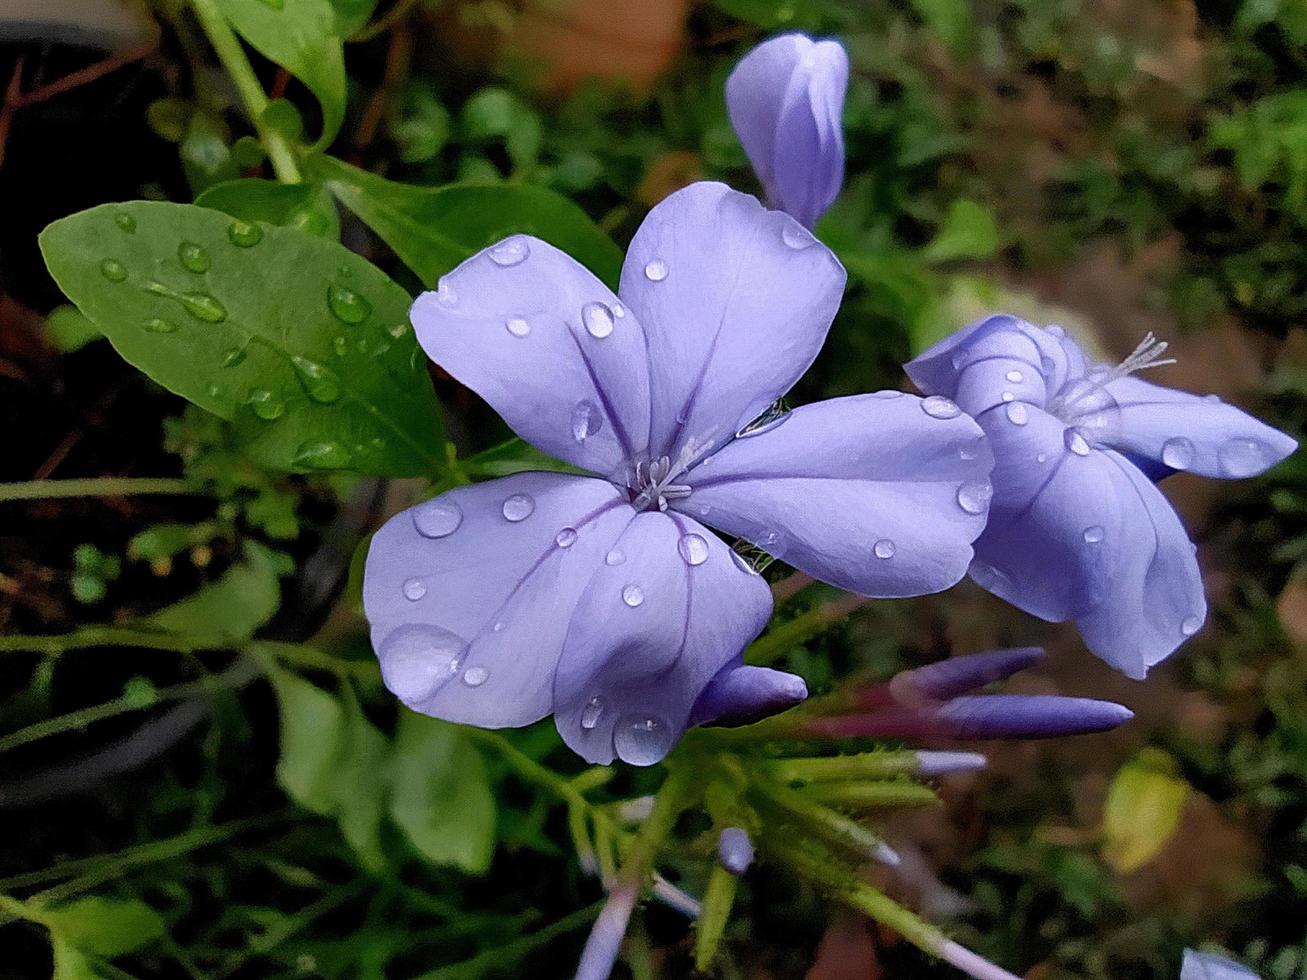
(302, 344)
(206, 157)
(968, 232)
(308, 207)
(301, 36)
(441, 796)
(433, 229)
(105, 927)
(498, 114)
(771, 13)
(361, 786)
(512, 456)
(312, 742)
(352, 15)
(69, 330)
(234, 606)
(1142, 811)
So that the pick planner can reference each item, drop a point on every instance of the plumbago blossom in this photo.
(604, 598)
(1078, 529)
(1205, 966)
(786, 99)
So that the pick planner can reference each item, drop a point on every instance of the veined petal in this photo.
(872, 493)
(1205, 966)
(649, 634)
(470, 594)
(735, 301)
(1191, 432)
(550, 348)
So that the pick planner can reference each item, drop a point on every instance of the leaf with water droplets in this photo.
(253, 337)
(308, 207)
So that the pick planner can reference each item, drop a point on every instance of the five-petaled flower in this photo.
(605, 599)
(1077, 528)
(786, 100)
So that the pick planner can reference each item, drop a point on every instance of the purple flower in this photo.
(735, 850)
(604, 598)
(1077, 529)
(785, 100)
(1205, 966)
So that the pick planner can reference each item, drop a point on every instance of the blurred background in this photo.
(1116, 167)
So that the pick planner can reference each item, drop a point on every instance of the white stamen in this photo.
(653, 485)
(1147, 355)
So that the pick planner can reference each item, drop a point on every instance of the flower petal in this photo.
(470, 594)
(548, 346)
(1205, 966)
(743, 693)
(871, 493)
(735, 301)
(650, 633)
(1191, 432)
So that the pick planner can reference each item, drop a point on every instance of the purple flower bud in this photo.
(957, 675)
(1027, 716)
(735, 850)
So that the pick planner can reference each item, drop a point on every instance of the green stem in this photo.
(232, 55)
(97, 486)
(839, 768)
(672, 799)
(503, 958)
(114, 636)
(783, 638)
(386, 21)
(835, 828)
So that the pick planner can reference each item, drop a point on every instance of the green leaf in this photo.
(205, 155)
(1142, 810)
(301, 36)
(105, 927)
(433, 229)
(302, 344)
(498, 114)
(512, 456)
(236, 605)
(308, 207)
(771, 13)
(361, 785)
(312, 742)
(950, 20)
(441, 794)
(69, 330)
(968, 232)
(352, 15)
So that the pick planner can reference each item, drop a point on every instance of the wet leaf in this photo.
(305, 206)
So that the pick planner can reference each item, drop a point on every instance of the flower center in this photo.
(654, 484)
(1086, 404)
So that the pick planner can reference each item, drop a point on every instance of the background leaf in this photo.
(968, 232)
(308, 207)
(237, 604)
(312, 742)
(302, 344)
(1142, 811)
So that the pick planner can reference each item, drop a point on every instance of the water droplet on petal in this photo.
(1178, 453)
(437, 518)
(1017, 414)
(517, 326)
(475, 676)
(619, 310)
(1075, 441)
(642, 740)
(592, 712)
(193, 257)
(414, 589)
(1093, 534)
(499, 627)
(125, 222)
(244, 234)
(987, 576)
(1243, 457)
(510, 252)
(445, 294)
(566, 537)
(693, 548)
(939, 407)
(974, 497)
(418, 658)
(113, 270)
(796, 236)
(632, 595)
(743, 564)
(1042, 458)
(586, 420)
(159, 325)
(655, 270)
(1191, 625)
(884, 548)
(346, 305)
(518, 507)
(266, 405)
(614, 557)
(1212, 399)
(889, 393)
(1016, 377)
(598, 319)
(1007, 396)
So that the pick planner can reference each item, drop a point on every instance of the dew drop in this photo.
(939, 407)
(266, 405)
(319, 383)
(475, 676)
(796, 236)
(566, 537)
(414, 589)
(887, 394)
(1093, 534)
(614, 557)
(974, 497)
(517, 326)
(125, 222)
(1242, 457)
(244, 234)
(1016, 377)
(418, 658)
(619, 310)
(159, 325)
(1075, 441)
(321, 455)
(214, 390)
(1191, 625)
(1178, 453)
(510, 252)
(632, 595)
(586, 420)
(1007, 396)
(775, 413)
(340, 345)
(445, 293)
(743, 564)
(642, 740)
(113, 270)
(987, 576)
(346, 305)
(693, 548)
(234, 356)
(655, 270)
(202, 306)
(1017, 414)
(1042, 458)
(518, 507)
(884, 548)
(437, 518)
(499, 627)
(193, 257)
(592, 712)
(598, 320)
(1212, 399)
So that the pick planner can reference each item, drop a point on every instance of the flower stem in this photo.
(98, 486)
(781, 639)
(232, 55)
